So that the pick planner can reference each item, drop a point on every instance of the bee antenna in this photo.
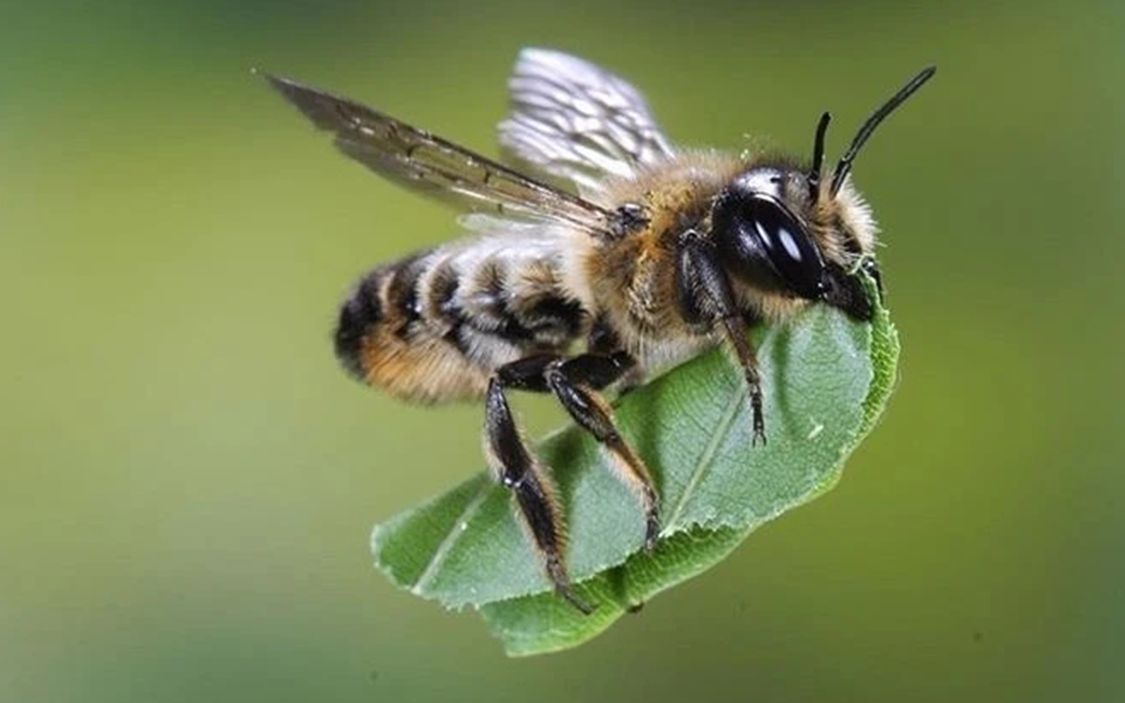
(818, 157)
(845, 163)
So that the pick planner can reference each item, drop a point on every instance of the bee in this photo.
(649, 254)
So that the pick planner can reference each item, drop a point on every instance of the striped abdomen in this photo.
(434, 326)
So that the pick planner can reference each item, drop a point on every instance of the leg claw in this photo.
(568, 594)
(652, 532)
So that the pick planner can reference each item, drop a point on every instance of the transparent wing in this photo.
(577, 121)
(425, 162)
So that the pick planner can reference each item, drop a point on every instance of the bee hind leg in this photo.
(534, 493)
(575, 382)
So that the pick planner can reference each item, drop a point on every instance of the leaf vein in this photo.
(704, 461)
(440, 554)
(707, 457)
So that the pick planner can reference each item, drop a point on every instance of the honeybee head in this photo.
(763, 238)
(778, 227)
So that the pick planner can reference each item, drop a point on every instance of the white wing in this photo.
(579, 122)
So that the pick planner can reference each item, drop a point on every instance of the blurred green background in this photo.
(187, 481)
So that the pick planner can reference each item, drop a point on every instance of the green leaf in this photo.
(826, 379)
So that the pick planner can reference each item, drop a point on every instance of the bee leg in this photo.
(576, 382)
(706, 291)
(534, 492)
(602, 340)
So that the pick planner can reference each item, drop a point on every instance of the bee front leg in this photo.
(706, 293)
(532, 488)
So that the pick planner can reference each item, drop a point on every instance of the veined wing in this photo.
(577, 121)
(425, 162)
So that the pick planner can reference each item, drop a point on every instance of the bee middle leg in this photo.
(575, 382)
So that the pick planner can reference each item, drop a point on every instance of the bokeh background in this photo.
(187, 481)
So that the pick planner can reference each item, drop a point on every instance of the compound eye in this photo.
(787, 247)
